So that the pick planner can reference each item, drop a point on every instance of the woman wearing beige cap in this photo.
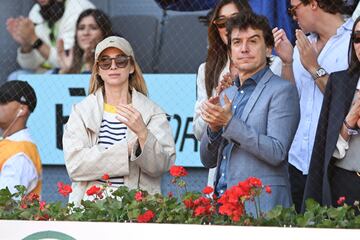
(117, 130)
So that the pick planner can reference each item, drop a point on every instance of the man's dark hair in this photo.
(246, 20)
(329, 6)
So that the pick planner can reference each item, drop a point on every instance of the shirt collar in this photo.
(22, 135)
(256, 77)
(345, 27)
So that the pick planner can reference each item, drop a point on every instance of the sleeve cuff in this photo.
(213, 136)
(341, 147)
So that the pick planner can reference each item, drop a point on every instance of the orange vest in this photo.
(10, 148)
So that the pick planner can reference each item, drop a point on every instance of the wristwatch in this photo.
(351, 131)
(320, 72)
(37, 44)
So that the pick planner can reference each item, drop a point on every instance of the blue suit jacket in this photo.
(262, 139)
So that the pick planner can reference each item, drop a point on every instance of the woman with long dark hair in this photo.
(218, 67)
(92, 26)
(335, 163)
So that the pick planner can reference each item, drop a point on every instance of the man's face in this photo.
(248, 50)
(8, 112)
(302, 14)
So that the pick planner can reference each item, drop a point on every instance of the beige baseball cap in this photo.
(116, 42)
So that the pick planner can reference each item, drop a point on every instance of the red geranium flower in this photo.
(42, 205)
(146, 217)
(188, 203)
(207, 190)
(32, 197)
(178, 171)
(138, 196)
(105, 177)
(199, 211)
(254, 182)
(268, 189)
(341, 200)
(93, 190)
(64, 189)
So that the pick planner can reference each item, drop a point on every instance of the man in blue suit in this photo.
(251, 124)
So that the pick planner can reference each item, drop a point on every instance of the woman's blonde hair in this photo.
(136, 79)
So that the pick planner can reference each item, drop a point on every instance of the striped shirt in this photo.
(111, 132)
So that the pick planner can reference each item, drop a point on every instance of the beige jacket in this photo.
(86, 161)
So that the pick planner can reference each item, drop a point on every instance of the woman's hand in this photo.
(132, 119)
(353, 117)
(65, 60)
(224, 83)
(88, 56)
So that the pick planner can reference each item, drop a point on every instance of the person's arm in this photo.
(282, 121)
(199, 124)
(341, 147)
(87, 162)
(209, 148)
(158, 151)
(308, 58)
(18, 170)
(285, 51)
(287, 72)
(350, 122)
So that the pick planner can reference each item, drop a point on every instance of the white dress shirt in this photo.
(333, 57)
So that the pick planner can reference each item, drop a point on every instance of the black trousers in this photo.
(297, 185)
(346, 184)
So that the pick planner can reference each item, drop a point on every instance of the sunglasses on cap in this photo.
(292, 10)
(120, 62)
(220, 22)
(355, 37)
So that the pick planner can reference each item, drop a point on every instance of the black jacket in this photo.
(338, 96)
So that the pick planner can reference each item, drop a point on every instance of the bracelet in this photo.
(348, 126)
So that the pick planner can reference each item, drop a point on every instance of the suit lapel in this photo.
(256, 94)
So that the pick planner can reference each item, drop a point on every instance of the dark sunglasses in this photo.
(355, 37)
(220, 22)
(120, 62)
(292, 10)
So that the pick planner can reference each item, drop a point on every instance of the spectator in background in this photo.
(186, 5)
(308, 66)
(250, 133)
(218, 68)
(116, 129)
(19, 158)
(48, 21)
(92, 27)
(273, 9)
(335, 166)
